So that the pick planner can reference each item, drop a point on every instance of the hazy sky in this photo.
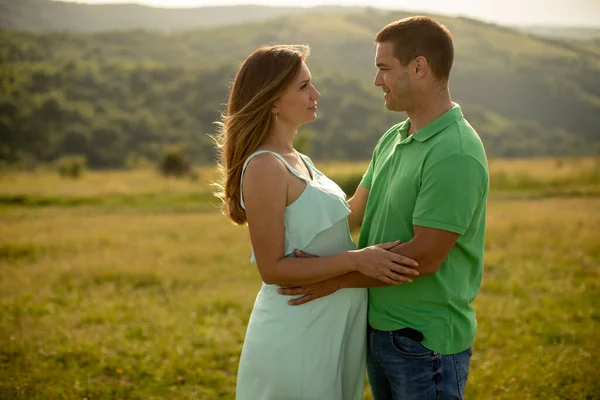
(512, 12)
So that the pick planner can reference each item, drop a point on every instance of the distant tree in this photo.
(174, 161)
(71, 166)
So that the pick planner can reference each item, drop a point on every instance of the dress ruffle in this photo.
(326, 210)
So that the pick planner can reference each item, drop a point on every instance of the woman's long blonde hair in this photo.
(260, 81)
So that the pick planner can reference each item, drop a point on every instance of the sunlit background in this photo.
(121, 279)
(511, 12)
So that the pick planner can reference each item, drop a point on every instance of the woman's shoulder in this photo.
(264, 182)
(264, 164)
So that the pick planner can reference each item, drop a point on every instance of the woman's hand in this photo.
(380, 263)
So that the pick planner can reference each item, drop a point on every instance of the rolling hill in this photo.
(134, 91)
(559, 32)
(48, 15)
(53, 15)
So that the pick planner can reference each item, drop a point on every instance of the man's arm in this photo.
(429, 247)
(358, 204)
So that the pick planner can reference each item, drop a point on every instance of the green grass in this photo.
(152, 301)
(108, 190)
(145, 189)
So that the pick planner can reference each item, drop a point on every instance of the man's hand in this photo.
(310, 292)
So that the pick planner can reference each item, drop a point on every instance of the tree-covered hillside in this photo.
(114, 95)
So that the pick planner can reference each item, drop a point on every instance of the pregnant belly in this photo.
(272, 307)
(271, 311)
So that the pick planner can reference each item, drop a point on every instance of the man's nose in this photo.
(377, 81)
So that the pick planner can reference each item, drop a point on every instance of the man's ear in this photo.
(420, 67)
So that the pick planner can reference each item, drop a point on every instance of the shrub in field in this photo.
(136, 161)
(194, 175)
(174, 161)
(71, 166)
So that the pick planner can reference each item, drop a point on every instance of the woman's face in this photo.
(298, 104)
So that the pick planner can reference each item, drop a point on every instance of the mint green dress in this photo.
(316, 350)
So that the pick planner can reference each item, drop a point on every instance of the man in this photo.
(426, 185)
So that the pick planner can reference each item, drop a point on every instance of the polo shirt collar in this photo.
(435, 126)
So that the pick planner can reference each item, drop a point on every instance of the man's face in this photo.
(393, 78)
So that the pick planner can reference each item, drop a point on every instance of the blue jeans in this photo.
(400, 368)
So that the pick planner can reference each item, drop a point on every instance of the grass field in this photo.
(124, 285)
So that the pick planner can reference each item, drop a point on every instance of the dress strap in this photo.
(280, 157)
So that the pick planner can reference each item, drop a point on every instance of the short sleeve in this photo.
(451, 191)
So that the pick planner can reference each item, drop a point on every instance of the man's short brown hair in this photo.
(421, 36)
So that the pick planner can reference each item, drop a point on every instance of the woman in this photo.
(317, 350)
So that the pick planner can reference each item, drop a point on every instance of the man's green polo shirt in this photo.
(436, 178)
